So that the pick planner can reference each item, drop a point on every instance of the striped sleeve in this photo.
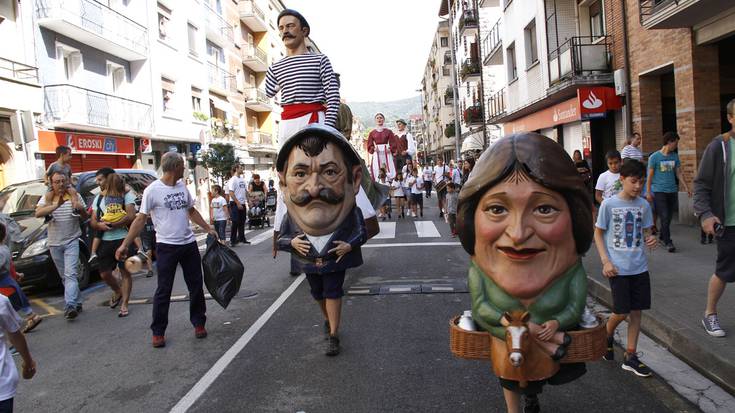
(331, 91)
(271, 83)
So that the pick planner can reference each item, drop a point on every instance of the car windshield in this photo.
(22, 199)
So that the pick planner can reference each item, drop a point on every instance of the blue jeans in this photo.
(66, 258)
(220, 227)
(665, 202)
(18, 300)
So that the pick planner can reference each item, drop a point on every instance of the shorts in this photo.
(327, 285)
(106, 255)
(631, 292)
(725, 269)
(148, 237)
(418, 199)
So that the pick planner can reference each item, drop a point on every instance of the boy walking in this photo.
(608, 183)
(622, 222)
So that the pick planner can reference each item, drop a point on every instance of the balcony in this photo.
(496, 106)
(255, 58)
(220, 80)
(492, 45)
(67, 106)
(19, 86)
(252, 16)
(447, 58)
(95, 24)
(257, 100)
(670, 14)
(261, 142)
(473, 115)
(18, 71)
(449, 96)
(469, 23)
(218, 30)
(470, 71)
(580, 61)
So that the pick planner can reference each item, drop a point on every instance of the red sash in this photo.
(297, 110)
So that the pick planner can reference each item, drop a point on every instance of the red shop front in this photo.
(89, 151)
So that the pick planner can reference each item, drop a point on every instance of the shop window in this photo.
(164, 18)
(597, 19)
(531, 44)
(116, 78)
(168, 87)
(512, 68)
(70, 60)
(192, 36)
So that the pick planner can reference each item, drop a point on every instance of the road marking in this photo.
(426, 229)
(267, 234)
(412, 244)
(50, 309)
(359, 291)
(400, 289)
(442, 288)
(387, 230)
(203, 384)
(138, 301)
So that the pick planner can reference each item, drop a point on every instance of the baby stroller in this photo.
(257, 216)
(271, 198)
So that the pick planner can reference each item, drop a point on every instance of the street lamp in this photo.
(424, 132)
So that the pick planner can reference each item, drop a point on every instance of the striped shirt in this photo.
(630, 151)
(64, 227)
(306, 78)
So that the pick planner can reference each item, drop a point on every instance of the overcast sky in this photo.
(379, 47)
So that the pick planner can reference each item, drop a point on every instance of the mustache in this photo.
(287, 36)
(326, 195)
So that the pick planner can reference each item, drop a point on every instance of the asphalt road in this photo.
(395, 353)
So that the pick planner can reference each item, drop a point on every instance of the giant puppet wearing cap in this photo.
(320, 175)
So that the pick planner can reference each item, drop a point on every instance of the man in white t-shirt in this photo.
(10, 327)
(428, 179)
(440, 174)
(608, 183)
(171, 206)
(237, 187)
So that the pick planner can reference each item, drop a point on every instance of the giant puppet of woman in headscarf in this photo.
(382, 145)
(525, 218)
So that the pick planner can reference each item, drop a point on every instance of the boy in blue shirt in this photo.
(621, 231)
(664, 167)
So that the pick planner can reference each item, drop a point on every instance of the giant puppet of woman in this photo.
(525, 217)
(382, 145)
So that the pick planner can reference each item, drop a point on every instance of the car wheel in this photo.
(83, 271)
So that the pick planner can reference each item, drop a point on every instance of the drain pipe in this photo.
(628, 112)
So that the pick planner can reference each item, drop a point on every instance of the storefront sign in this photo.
(85, 143)
(145, 145)
(559, 114)
(594, 102)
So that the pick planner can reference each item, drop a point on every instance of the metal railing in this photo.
(262, 138)
(470, 67)
(252, 52)
(649, 8)
(96, 18)
(221, 78)
(579, 57)
(249, 7)
(72, 104)
(468, 19)
(258, 95)
(473, 114)
(496, 104)
(492, 42)
(18, 71)
(218, 23)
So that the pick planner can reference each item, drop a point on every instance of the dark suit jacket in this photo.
(352, 231)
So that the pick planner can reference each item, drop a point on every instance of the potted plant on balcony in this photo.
(470, 67)
(473, 114)
(200, 116)
(449, 131)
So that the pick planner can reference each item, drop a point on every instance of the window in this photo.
(239, 79)
(70, 59)
(196, 99)
(192, 35)
(215, 54)
(529, 34)
(597, 20)
(168, 87)
(116, 77)
(445, 70)
(164, 17)
(512, 68)
(444, 41)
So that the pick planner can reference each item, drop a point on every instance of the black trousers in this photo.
(169, 257)
(665, 203)
(239, 217)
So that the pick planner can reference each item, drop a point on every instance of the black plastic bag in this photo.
(223, 272)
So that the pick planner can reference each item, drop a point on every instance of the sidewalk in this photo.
(679, 293)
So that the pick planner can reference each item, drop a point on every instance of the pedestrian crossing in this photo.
(421, 229)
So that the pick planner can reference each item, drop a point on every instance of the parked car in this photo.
(30, 252)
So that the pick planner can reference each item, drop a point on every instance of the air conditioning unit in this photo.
(619, 77)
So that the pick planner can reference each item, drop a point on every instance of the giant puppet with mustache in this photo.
(323, 229)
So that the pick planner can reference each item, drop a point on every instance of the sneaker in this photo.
(79, 308)
(610, 354)
(670, 247)
(200, 332)
(631, 363)
(93, 259)
(71, 313)
(332, 346)
(711, 324)
(159, 341)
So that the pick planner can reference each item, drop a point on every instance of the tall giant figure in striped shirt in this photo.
(309, 90)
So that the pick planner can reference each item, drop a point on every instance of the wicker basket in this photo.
(472, 345)
(587, 345)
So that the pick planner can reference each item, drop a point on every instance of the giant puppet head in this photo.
(525, 215)
(320, 176)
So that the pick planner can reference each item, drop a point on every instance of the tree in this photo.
(219, 158)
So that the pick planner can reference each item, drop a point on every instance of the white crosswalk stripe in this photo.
(387, 230)
(426, 229)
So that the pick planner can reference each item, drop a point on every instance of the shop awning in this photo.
(222, 104)
(473, 142)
